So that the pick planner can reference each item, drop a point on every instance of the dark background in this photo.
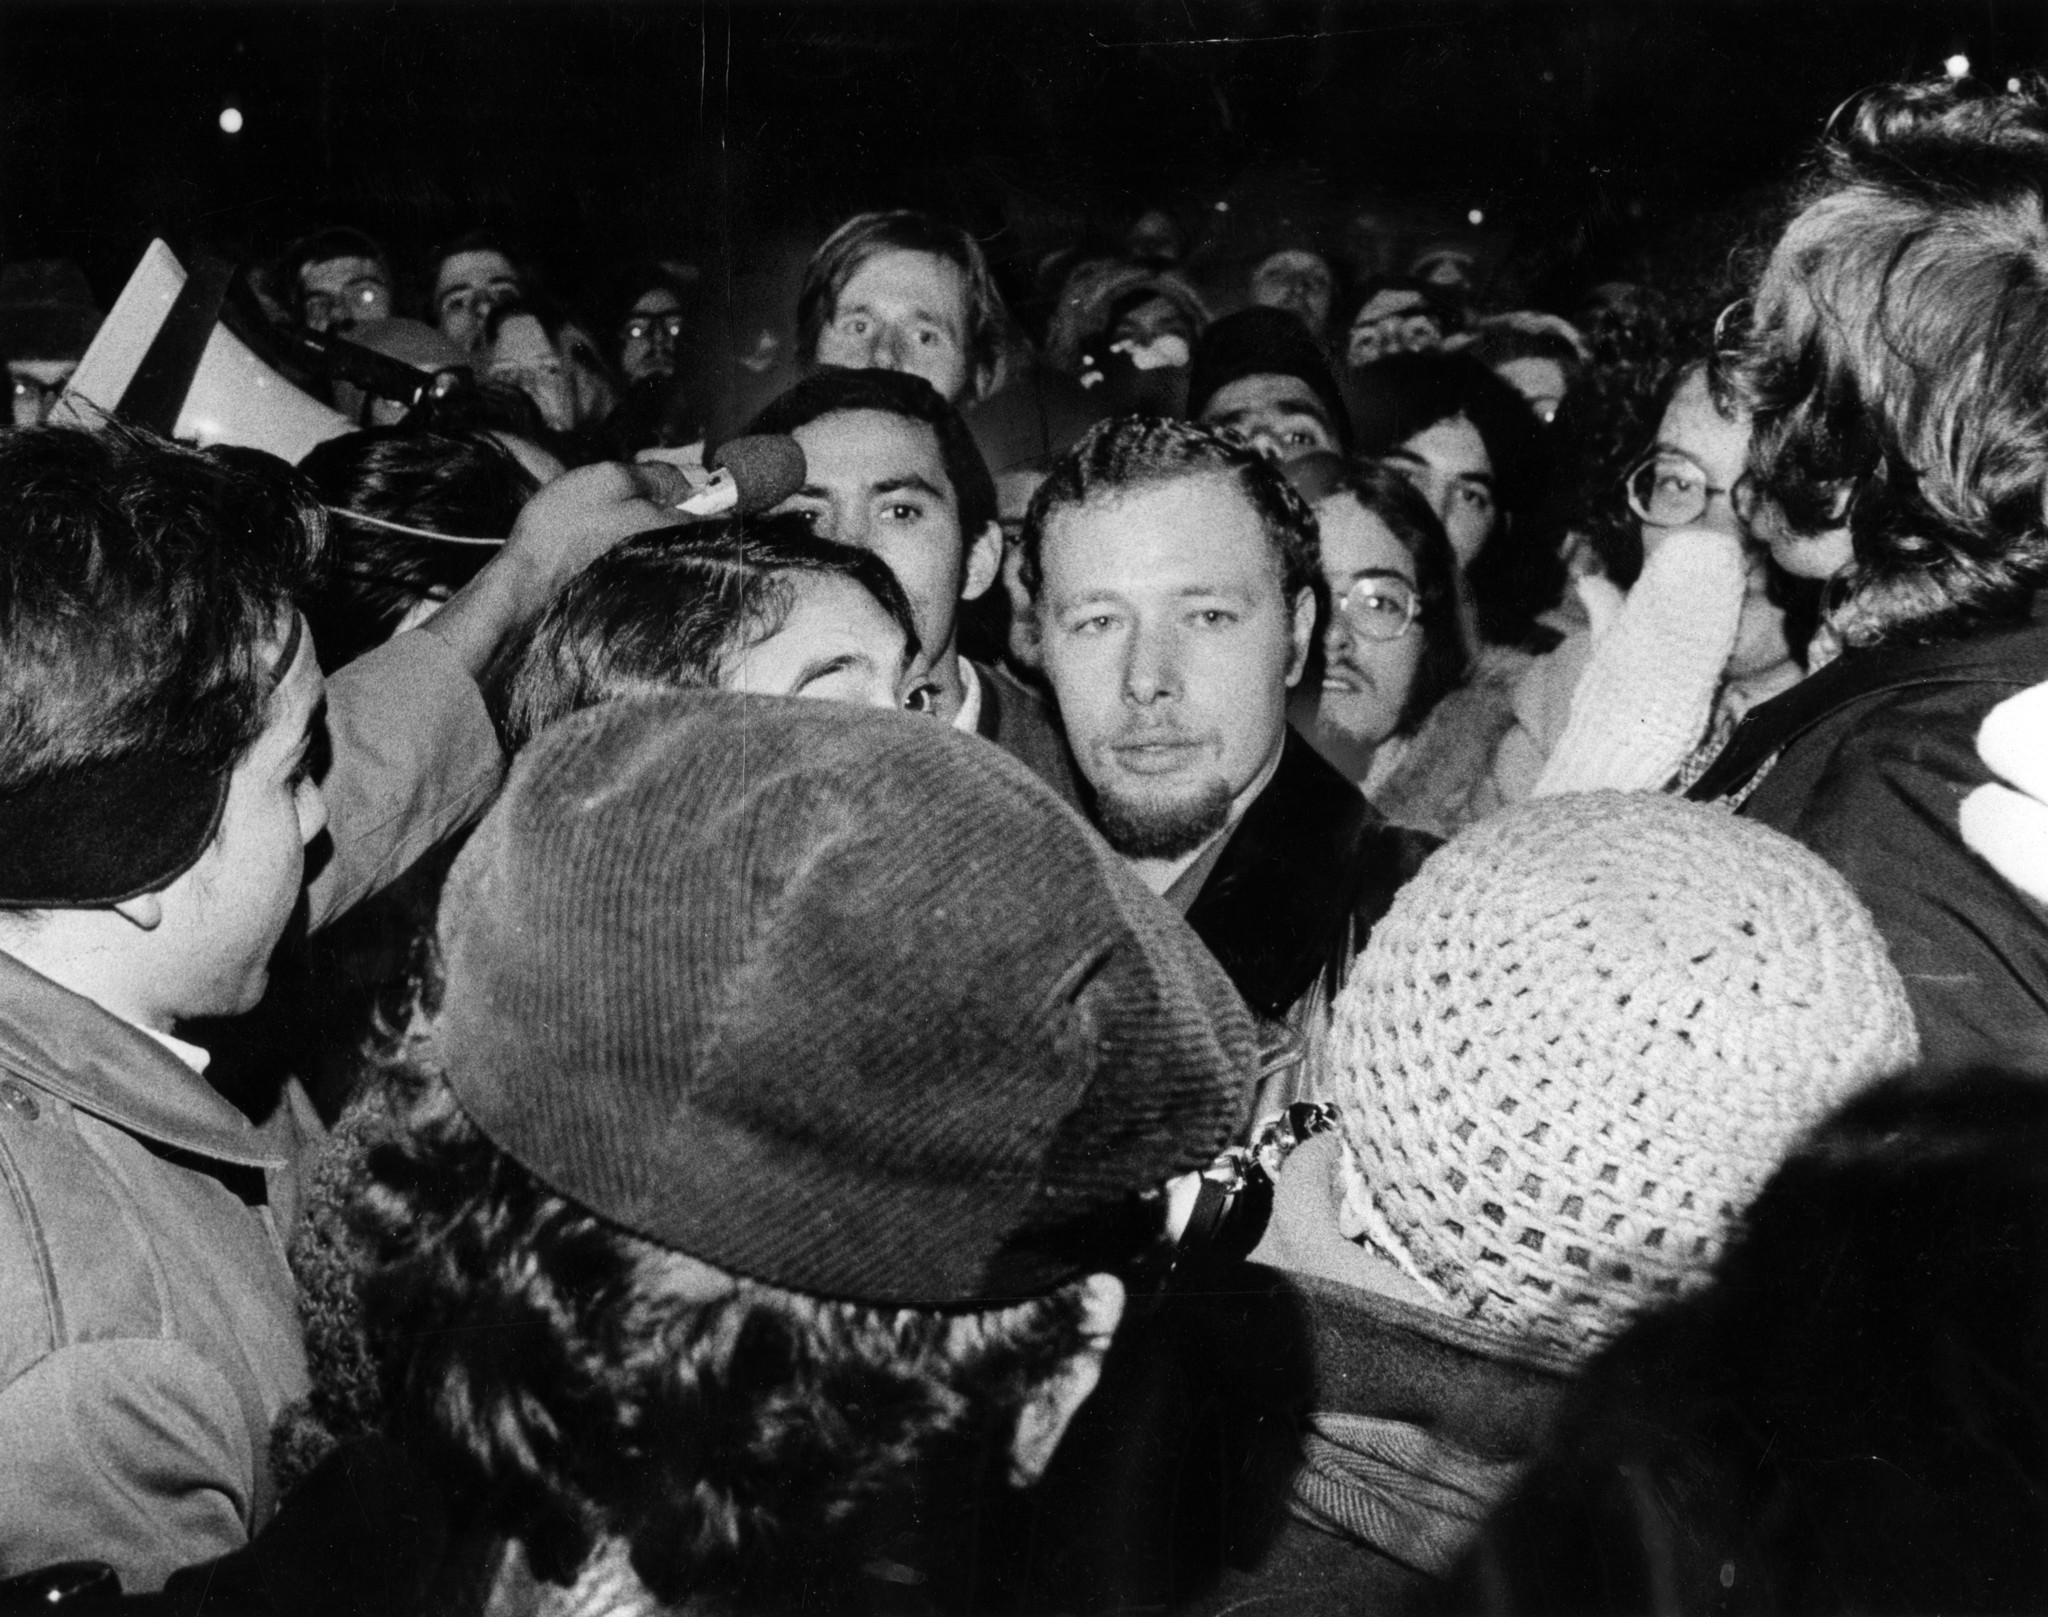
(733, 134)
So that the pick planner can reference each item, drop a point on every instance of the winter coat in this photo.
(1866, 761)
(151, 1332)
(1290, 900)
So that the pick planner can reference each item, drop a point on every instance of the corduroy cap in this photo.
(1264, 342)
(835, 999)
(1582, 1038)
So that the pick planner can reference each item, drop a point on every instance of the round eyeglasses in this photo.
(1380, 606)
(1672, 490)
(642, 327)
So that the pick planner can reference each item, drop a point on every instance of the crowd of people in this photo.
(1362, 954)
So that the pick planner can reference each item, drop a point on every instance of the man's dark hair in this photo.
(904, 230)
(668, 610)
(1853, 1417)
(462, 483)
(1131, 452)
(140, 585)
(318, 247)
(835, 390)
(1894, 356)
(1446, 659)
(748, 1445)
(481, 239)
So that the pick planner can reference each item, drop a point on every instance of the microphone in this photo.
(749, 475)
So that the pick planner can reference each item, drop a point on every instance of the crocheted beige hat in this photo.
(1582, 1038)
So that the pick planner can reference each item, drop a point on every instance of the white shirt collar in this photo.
(193, 1057)
(968, 719)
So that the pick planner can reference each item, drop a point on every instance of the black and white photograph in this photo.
(1024, 808)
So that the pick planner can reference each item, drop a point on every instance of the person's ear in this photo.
(984, 562)
(1052, 1406)
(1302, 634)
(145, 910)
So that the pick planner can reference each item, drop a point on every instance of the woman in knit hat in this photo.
(1576, 1046)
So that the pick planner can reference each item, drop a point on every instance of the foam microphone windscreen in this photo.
(766, 470)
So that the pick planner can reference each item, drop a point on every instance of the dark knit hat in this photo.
(1264, 342)
(835, 999)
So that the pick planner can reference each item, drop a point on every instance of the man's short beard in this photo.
(1140, 830)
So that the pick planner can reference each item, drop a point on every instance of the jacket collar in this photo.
(65, 1044)
(1771, 726)
(1280, 892)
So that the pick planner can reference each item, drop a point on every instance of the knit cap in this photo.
(835, 999)
(1264, 342)
(1582, 1038)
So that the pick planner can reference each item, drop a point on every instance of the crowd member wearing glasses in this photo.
(1389, 704)
(338, 279)
(1647, 694)
(1397, 314)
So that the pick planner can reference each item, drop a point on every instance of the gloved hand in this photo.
(2008, 825)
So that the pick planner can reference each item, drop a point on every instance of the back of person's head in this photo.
(837, 390)
(1853, 1417)
(736, 1233)
(905, 230)
(1384, 493)
(1894, 354)
(1127, 453)
(141, 586)
(1580, 1041)
(376, 485)
(669, 610)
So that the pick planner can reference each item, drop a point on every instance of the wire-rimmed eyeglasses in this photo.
(1380, 606)
(1672, 490)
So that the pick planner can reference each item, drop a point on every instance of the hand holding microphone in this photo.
(748, 475)
(580, 515)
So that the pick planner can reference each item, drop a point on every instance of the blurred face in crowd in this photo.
(336, 294)
(1393, 322)
(1014, 489)
(836, 644)
(525, 356)
(1170, 646)
(1151, 320)
(1298, 281)
(879, 481)
(904, 311)
(1448, 462)
(649, 334)
(1699, 448)
(466, 288)
(1373, 642)
(223, 917)
(1281, 415)
(1541, 381)
(36, 385)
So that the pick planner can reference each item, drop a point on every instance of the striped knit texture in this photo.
(836, 999)
(1583, 1037)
